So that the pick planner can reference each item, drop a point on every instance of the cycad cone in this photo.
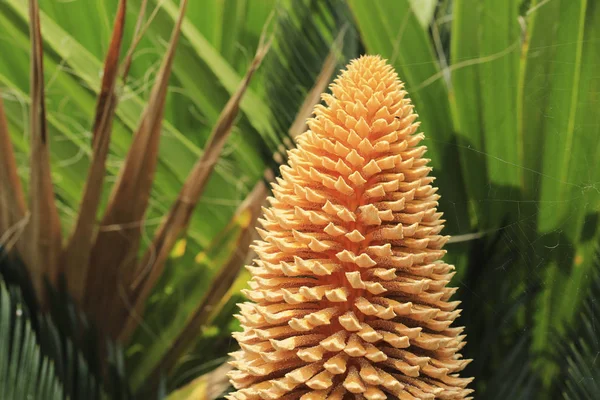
(349, 294)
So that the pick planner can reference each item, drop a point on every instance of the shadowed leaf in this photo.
(578, 350)
(77, 253)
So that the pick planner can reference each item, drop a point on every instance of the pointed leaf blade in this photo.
(152, 264)
(77, 252)
(115, 252)
(44, 226)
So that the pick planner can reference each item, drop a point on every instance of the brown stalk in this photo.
(153, 262)
(115, 252)
(220, 284)
(76, 256)
(44, 235)
(12, 200)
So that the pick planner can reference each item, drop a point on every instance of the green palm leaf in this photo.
(24, 371)
(62, 337)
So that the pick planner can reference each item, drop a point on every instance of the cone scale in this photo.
(348, 295)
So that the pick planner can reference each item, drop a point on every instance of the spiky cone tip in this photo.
(349, 294)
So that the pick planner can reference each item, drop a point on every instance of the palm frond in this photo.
(44, 362)
(306, 36)
(102, 263)
(579, 350)
(495, 302)
(514, 377)
(66, 338)
(25, 373)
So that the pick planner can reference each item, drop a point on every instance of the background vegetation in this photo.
(508, 94)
